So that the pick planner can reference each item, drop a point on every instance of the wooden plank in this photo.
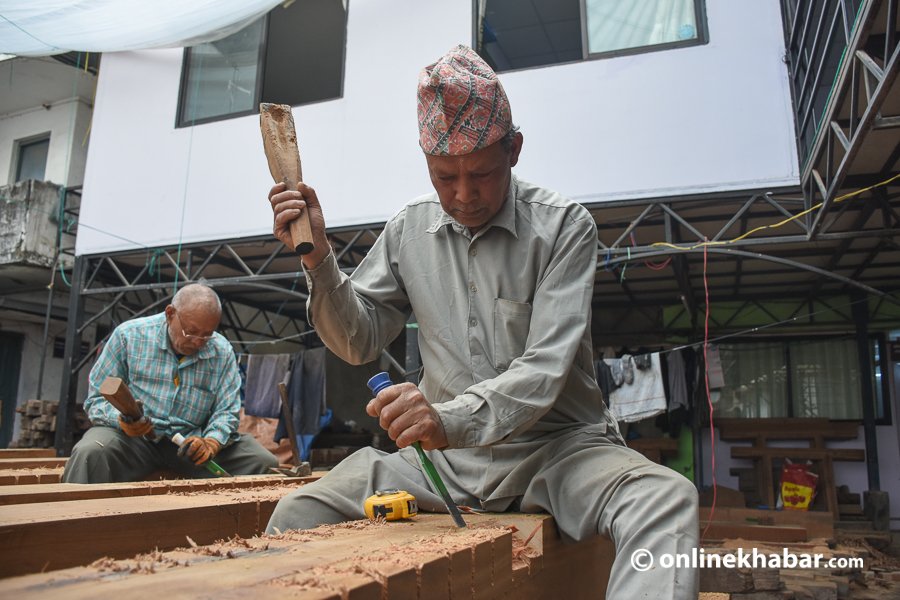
(60, 492)
(786, 429)
(30, 476)
(27, 453)
(816, 523)
(356, 561)
(849, 454)
(763, 533)
(55, 535)
(32, 463)
(654, 449)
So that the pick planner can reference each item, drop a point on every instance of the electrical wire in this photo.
(838, 200)
(712, 429)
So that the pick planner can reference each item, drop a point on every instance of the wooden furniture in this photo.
(654, 449)
(814, 433)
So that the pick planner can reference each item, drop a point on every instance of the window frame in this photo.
(181, 123)
(700, 17)
(874, 338)
(22, 143)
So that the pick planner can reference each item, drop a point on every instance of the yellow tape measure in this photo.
(391, 505)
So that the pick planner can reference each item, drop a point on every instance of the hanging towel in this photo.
(644, 397)
(264, 371)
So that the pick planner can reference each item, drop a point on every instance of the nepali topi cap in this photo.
(461, 105)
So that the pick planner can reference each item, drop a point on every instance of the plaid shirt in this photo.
(197, 395)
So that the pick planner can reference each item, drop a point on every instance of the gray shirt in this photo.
(504, 324)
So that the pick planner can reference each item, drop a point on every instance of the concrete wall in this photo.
(706, 118)
(29, 223)
(66, 121)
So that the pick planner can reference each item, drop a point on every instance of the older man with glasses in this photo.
(186, 376)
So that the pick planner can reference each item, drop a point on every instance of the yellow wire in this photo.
(776, 225)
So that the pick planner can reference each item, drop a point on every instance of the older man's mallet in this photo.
(280, 143)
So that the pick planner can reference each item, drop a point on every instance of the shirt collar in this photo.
(505, 218)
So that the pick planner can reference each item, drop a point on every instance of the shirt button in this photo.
(472, 288)
(472, 322)
(473, 251)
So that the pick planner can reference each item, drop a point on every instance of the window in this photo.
(293, 55)
(32, 159)
(511, 34)
(814, 378)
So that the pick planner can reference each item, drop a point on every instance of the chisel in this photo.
(378, 383)
(210, 465)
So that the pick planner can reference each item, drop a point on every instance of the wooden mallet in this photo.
(117, 393)
(280, 143)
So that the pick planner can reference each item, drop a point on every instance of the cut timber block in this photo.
(817, 524)
(30, 476)
(60, 492)
(27, 453)
(762, 533)
(56, 535)
(32, 463)
(361, 560)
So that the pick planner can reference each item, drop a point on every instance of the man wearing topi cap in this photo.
(499, 274)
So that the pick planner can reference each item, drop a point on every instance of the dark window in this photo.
(511, 34)
(807, 378)
(32, 159)
(293, 55)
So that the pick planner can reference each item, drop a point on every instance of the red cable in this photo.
(712, 431)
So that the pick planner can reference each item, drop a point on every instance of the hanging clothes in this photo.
(677, 379)
(264, 372)
(306, 395)
(644, 396)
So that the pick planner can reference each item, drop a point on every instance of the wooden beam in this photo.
(32, 463)
(27, 453)
(818, 524)
(61, 492)
(30, 476)
(422, 558)
(55, 535)
(763, 533)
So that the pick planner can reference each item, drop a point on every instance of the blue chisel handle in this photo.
(378, 383)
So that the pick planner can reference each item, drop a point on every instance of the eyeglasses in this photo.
(192, 337)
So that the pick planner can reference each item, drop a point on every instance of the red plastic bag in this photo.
(798, 486)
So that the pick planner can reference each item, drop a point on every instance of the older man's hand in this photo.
(199, 449)
(142, 426)
(408, 417)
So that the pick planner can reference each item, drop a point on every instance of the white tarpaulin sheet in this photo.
(44, 27)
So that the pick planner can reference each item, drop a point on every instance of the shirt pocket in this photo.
(195, 405)
(512, 320)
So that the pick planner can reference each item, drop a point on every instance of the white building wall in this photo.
(66, 121)
(706, 118)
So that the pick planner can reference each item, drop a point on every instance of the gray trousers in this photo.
(592, 486)
(107, 455)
